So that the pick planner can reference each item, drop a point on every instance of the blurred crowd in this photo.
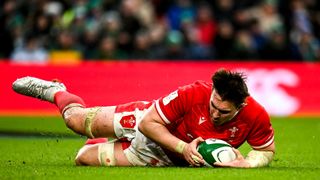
(266, 30)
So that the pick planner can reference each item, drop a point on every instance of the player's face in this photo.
(221, 111)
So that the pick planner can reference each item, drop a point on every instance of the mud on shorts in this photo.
(142, 151)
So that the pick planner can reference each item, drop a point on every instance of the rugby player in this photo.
(166, 131)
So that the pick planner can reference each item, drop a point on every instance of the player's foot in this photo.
(37, 88)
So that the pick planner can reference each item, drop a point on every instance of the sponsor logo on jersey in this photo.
(202, 120)
(166, 100)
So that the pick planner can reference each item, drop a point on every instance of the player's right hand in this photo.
(191, 154)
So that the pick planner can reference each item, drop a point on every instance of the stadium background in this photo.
(133, 47)
(111, 52)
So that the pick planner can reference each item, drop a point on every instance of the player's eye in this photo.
(220, 111)
(223, 112)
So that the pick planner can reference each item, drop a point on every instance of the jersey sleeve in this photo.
(173, 106)
(262, 133)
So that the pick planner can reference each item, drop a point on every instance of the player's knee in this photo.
(101, 154)
(87, 156)
(73, 118)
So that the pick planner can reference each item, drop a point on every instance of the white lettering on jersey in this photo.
(170, 97)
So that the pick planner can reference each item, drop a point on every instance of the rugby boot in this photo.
(38, 88)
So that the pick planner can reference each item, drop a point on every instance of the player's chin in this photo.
(217, 122)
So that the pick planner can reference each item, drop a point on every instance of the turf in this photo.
(43, 148)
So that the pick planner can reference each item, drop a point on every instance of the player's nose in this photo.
(215, 114)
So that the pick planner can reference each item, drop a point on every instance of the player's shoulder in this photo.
(253, 104)
(196, 92)
(253, 109)
(198, 85)
(203, 84)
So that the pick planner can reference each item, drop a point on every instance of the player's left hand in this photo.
(239, 162)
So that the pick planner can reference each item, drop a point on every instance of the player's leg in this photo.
(110, 121)
(99, 152)
(92, 122)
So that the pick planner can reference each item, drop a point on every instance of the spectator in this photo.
(108, 50)
(225, 38)
(314, 14)
(89, 41)
(196, 50)
(111, 24)
(65, 41)
(42, 26)
(175, 49)
(142, 46)
(257, 34)
(8, 15)
(130, 25)
(242, 19)
(79, 25)
(65, 49)
(300, 20)
(309, 48)
(205, 25)
(244, 47)
(268, 18)
(178, 11)
(30, 52)
(277, 48)
(157, 40)
(224, 10)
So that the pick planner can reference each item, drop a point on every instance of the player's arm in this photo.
(261, 138)
(153, 127)
(255, 158)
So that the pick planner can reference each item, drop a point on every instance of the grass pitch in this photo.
(43, 148)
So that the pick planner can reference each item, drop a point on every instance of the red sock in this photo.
(96, 141)
(64, 98)
(125, 144)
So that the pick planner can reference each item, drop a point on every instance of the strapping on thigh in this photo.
(91, 114)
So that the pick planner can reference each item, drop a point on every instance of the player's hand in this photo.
(191, 154)
(239, 162)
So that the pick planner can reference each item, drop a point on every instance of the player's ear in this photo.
(242, 105)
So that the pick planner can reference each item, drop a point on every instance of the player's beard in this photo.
(219, 121)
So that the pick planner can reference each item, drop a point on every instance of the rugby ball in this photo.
(216, 150)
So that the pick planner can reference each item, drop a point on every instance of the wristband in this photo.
(259, 158)
(180, 147)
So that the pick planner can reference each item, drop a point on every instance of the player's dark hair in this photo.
(230, 86)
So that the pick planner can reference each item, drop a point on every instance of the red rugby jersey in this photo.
(186, 113)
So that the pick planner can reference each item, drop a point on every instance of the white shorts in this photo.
(127, 117)
(142, 151)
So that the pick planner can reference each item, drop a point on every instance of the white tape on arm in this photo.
(180, 147)
(259, 158)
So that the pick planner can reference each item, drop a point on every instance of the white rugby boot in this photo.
(38, 88)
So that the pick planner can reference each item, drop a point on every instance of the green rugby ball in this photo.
(216, 150)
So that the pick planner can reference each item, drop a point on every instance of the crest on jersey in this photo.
(128, 121)
(233, 131)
